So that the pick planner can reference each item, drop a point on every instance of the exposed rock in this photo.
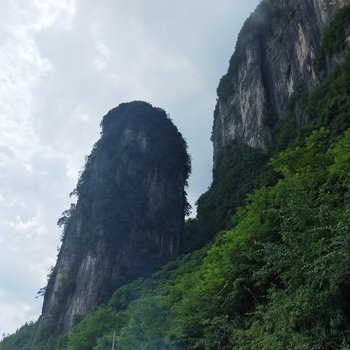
(273, 59)
(129, 216)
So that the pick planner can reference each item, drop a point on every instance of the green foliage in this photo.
(240, 169)
(148, 322)
(307, 306)
(167, 145)
(278, 278)
(236, 170)
(112, 202)
(329, 104)
(260, 286)
(333, 37)
(192, 238)
(139, 148)
(21, 340)
(263, 283)
(341, 159)
(92, 327)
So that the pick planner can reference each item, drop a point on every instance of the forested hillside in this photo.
(272, 266)
(278, 280)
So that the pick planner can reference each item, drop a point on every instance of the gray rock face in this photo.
(273, 59)
(129, 216)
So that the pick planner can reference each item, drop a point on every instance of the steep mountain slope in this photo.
(129, 216)
(278, 280)
(278, 277)
(274, 59)
(284, 50)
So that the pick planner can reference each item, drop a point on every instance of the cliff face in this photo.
(274, 59)
(129, 215)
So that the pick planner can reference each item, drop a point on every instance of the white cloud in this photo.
(27, 173)
(63, 65)
(14, 314)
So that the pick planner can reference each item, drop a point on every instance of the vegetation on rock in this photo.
(333, 37)
(274, 273)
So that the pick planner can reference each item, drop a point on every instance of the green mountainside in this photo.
(272, 268)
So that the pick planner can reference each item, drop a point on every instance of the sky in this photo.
(63, 65)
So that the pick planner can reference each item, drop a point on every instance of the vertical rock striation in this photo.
(128, 218)
(273, 60)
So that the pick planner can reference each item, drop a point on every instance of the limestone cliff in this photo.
(274, 59)
(128, 218)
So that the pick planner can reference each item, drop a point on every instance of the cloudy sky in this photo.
(63, 65)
